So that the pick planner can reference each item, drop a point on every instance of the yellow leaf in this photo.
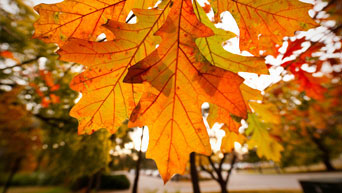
(260, 138)
(268, 113)
(228, 141)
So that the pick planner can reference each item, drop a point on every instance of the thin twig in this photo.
(207, 171)
(23, 63)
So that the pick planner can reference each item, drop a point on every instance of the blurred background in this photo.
(41, 152)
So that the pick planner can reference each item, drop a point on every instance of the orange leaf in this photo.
(106, 101)
(8, 54)
(293, 46)
(264, 23)
(75, 19)
(310, 84)
(206, 7)
(181, 79)
(54, 98)
(45, 102)
(230, 138)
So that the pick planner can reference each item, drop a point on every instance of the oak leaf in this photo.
(267, 112)
(228, 141)
(230, 121)
(264, 23)
(212, 48)
(267, 146)
(178, 55)
(293, 46)
(181, 80)
(106, 100)
(82, 19)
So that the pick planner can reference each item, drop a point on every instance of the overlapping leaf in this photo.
(267, 112)
(106, 100)
(181, 80)
(264, 23)
(82, 19)
(212, 48)
(228, 141)
(189, 67)
(267, 146)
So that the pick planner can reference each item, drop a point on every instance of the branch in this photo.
(48, 120)
(210, 172)
(232, 163)
(217, 170)
(212, 163)
(23, 63)
(222, 161)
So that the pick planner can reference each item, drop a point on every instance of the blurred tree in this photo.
(19, 137)
(44, 99)
(311, 128)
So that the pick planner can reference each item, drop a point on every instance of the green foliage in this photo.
(31, 179)
(107, 182)
(114, 182)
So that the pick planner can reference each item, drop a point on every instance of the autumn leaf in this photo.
(206, 7)
(266, 145)
(232, 122)
(267, 112)
(107, 101)
(310, 84)
(159, 71)
(228, 141)
(306, 81)
(83, 20)
(212, 48)
(250, 94)
(74, 19)
(219, 115)
(181, 80)
(9, 54)
(264, 23)
(293, 46)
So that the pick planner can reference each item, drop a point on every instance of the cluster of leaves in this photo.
(177, 53)
(310, 124)
(311, 129)
(16, 131)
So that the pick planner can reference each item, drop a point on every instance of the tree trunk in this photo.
(194, 174)
(223, 187)
(232, 164)
(13, 171)
(137, 173)
(328, 165)
(39, 161)
(137, 168)
(325, 152)
(90, 184)
(98, 180)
